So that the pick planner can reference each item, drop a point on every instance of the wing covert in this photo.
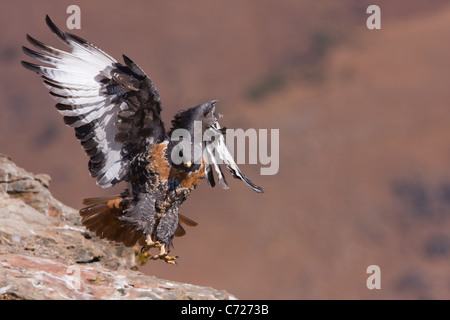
(114, 108)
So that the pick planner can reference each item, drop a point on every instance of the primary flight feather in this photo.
(116, 112)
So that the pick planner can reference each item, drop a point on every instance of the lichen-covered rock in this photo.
(32, 189)
(45, 252)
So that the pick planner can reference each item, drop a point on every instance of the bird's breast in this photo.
(158, 162)
(160, 167)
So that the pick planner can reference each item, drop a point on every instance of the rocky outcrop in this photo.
(45, 252)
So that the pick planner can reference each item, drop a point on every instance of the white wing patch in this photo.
(217, 149)
(76, 80)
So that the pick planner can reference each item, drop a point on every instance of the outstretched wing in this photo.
(115, 109)
(215, 150)
(218, 153)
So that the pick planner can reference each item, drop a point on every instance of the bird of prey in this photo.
(116, 112)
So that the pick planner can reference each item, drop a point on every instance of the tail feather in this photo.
(179, 232)
(99, 200)
(102, 217)
(185, 220)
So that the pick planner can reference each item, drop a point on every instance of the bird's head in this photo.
(185, 148)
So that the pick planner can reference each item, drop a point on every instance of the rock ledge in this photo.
(45, 252)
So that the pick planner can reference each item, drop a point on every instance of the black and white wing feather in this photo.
(115, 109)
(216, 152)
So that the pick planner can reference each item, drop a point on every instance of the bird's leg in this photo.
(151, 244)
(144, 254)
(163, 255)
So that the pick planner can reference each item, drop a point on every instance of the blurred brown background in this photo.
(364, 135)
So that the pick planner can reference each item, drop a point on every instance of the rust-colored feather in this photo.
(102, 217)
(187, 221)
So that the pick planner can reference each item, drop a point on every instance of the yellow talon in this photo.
(151, 244)
(170, 260)
(163, 255)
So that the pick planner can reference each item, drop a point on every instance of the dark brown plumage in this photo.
(116, 112)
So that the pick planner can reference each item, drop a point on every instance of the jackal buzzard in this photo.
(116, 112)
